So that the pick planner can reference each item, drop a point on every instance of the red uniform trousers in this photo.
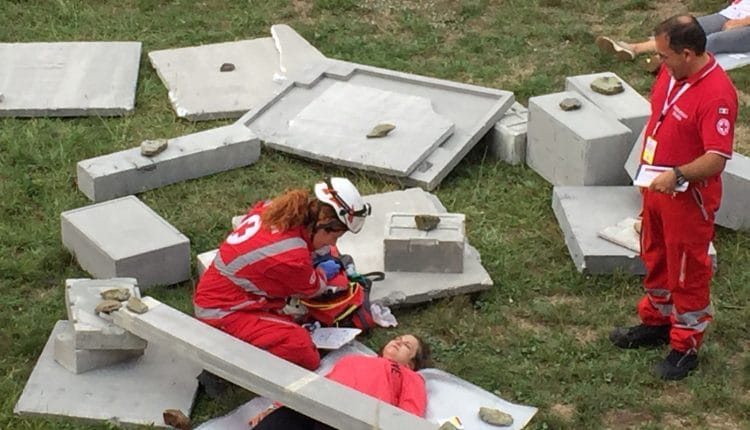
(276, 333)
(676, 234)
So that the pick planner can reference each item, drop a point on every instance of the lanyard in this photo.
(669, 103)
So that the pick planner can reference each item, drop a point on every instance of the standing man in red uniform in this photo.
(691, 129)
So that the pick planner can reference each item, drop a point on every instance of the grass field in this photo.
(538, 337)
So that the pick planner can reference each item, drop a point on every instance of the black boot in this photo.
(676, 365)
(213, 386)
(640, 335)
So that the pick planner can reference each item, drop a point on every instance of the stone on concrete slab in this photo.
(187, 157)
(135, 392)
(401, 288)
(584, 211)
(406, 248)
(607, 85)
(136, 305)
(334, 126)
(66, 79)
(579, 147)
(107, 306)
(571, 103)
(507, 139)
(628, 107)
(83, 360)
(119, 293)
(227, 67)
(126, 238)
(93, 330)
(381, 130)
(149, 148)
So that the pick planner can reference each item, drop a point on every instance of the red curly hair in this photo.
(296, 208)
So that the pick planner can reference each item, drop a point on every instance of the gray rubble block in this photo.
(584, 211)
(186, 157)
(507, 138)
(265, 374)
(628, 107)
(126, 238)
(83, 360)
(66, 79)
(203, 261)
(92, 331)
(135, 392)
(334, 126)
(402, 288)
(578, 147)
(408, 249)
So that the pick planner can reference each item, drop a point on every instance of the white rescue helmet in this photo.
(343, 196)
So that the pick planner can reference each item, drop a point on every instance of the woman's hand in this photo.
(735, 23)
(254, 421)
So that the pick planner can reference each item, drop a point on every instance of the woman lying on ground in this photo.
(390, 377)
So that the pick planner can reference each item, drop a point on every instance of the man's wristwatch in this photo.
(681, 179)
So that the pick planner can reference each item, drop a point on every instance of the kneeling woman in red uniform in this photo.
(390, 377)
(266, 264)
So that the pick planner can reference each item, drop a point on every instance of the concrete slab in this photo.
(507, 139)
(628, 107)
(204, 260)
(68, 78)
(333, 128)
(297, 57)
(634, 156)
(126, 238)
(408, 249)
(130, 393)
(578, 147)
(401, 288)
(186, 157)
(92, 331)
(733, 61)
(83, 360)
(584, 211)
(265, 374)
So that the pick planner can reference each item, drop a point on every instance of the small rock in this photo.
(380, 130)
(119, 294)
(136, 305)
(107, 306)
(495, 417)
(426, 222)
(607, 85)
(149, 148)
(176, 419)
(226, 67)
(570, 103)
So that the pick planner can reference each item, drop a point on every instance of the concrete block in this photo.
(408, 249)
(734, 212)
(584, 211)
(507, 139)
(83, 360)
(402, 288)
(578, 147)
(92, 331)
(628, 107)
(186, 157)
(333, 128)
(135, 392)
(125, 238)
(634, 156)
(68, 78)
(204, 260)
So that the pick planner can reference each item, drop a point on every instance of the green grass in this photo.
(538, 337)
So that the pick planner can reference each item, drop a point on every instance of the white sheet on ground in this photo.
(448, 395)
(733, 61)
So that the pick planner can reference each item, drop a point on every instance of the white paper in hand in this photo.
(647, 173)
(333, 337)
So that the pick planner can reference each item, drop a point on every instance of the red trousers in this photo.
(675, 237)
(277, 334)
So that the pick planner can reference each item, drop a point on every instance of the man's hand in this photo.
(664, 183)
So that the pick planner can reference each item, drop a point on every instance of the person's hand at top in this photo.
(735, 23)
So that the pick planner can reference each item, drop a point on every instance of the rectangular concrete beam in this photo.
(576, 147)
(265, 374)
(628, 107)
(126, 238)
(186, 157)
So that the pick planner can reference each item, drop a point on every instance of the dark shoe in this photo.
(640, 335)
(212, 385)
(676, 366)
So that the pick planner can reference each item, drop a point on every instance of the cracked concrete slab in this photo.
(65, 79)
(186, 157)
(333, 128)
(135, 392)
(584, 211)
